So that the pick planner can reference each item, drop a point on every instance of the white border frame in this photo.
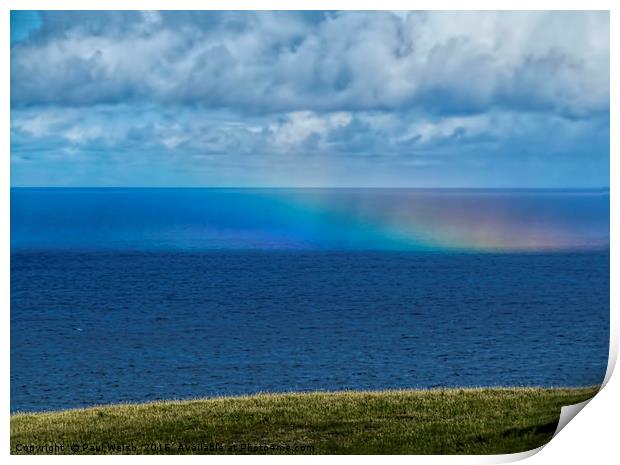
(591, 437)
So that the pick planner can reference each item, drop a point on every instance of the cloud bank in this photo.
(322, 98)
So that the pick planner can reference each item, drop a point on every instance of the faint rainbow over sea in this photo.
(310, 219)
(471, 220)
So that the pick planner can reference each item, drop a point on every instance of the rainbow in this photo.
(324, 219)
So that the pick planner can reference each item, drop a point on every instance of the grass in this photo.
(444, 421)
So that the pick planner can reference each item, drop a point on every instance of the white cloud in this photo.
(363, 98)
(444, 62)
(299, 126)
(427, 131)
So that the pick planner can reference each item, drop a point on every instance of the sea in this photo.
(134, 295)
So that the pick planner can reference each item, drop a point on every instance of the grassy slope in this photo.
(455, 421)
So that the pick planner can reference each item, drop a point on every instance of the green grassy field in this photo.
(452, 421)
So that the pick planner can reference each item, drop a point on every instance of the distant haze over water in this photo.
(307, 219)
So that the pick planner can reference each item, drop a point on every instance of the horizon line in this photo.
(601, 188)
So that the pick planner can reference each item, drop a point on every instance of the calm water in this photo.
(134, 295)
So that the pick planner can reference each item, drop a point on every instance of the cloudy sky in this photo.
(421, 99)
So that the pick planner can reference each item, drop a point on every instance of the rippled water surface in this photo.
(94, 322)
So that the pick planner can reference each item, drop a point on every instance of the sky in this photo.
(310, 99)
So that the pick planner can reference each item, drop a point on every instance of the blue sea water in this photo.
(135, 295)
